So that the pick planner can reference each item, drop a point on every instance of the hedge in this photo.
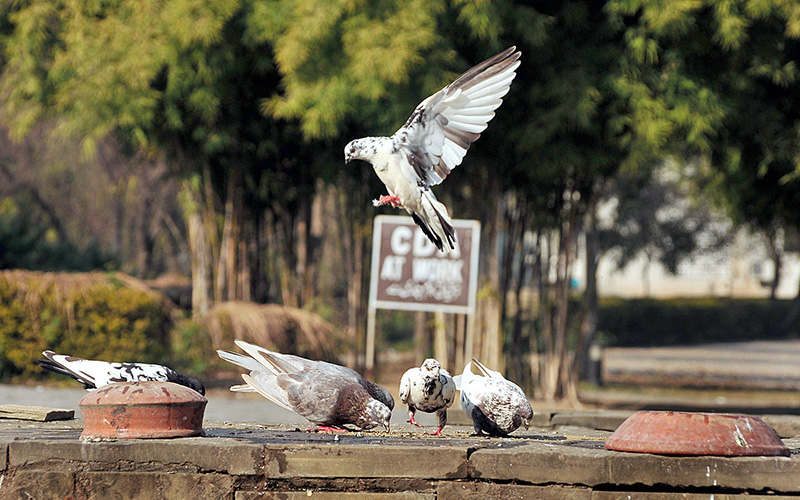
(652, 322)
(107, 316)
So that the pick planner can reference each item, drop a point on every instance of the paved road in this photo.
(755, 364)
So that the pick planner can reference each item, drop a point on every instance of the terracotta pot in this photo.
(684, 433)
(142, 410)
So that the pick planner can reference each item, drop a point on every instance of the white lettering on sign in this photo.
(437, 270)
(399, 241)
(392, 268)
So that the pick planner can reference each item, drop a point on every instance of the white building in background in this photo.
(742, 269)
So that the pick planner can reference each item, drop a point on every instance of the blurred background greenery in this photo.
(202, 140)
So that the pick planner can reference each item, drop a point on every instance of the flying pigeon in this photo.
(428, 388)
(496, 406)
(433, 142)
(93, 374)
(328, 395)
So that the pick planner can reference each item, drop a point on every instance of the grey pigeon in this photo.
(496, 406)
(433, 142)
(93, 374)
(328, 395)
(428, 388)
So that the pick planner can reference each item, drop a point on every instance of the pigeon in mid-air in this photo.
(496, 406)
(328, 395)
(428, 388)
(433, 142)
(93, 374)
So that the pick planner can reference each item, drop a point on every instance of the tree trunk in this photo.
(590, 297)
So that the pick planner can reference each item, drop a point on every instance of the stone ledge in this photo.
(331, 495)
(484, 491)
(677, 495)
(187, 454)
(366, 461)
(550, 463)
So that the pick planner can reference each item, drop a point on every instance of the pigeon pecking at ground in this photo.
(428, 388)
(93, 374)
(433, 142)
(496, 406)
(328, 395)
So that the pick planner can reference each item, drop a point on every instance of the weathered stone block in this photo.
(541, 463)
(780, 474)
(38, 484)
(207, 454)
(330, 495)
(674, 495)
(3, 455)
(482, 491)
(367, 461)
(154, 485)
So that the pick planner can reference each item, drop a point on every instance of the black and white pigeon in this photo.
(433, 142)
(428, 388)
(496, 406)
(328, 395)
(93, 374)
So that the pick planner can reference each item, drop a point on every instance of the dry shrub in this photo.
(275, 327)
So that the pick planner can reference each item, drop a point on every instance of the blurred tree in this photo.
(747, 53)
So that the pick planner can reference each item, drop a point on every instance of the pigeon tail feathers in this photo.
(435, 222)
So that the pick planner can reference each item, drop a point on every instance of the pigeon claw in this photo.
(437, 433)
(386, 199)
(326, 428)
(414, 422)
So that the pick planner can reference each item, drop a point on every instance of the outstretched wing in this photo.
(441, 129)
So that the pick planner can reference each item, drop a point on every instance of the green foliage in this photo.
(192, 351)
(28, 243)
(86, 315)
(651, 322)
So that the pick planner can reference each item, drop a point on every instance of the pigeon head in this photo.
(191, 383)
(361, 149)
(430, 368)
(375, 413)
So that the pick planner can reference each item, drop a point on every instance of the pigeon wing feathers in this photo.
(266, 385)
(439, 132)
(496, 401)
(405, 384)
(245, 362)
(486, 372)
(272, 361)
(448, 387)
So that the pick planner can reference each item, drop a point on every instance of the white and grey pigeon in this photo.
(496, 406)
(428, 388)
(433, 142)
(328, 395)
(93, 374)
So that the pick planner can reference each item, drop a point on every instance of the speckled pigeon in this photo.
(496, 406)
(93, 374)
(328, 395)
(428, 388)
(433, 142)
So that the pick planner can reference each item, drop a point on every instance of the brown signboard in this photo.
(409, 272)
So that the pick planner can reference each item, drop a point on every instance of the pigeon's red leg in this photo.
(411, 419)
(437, 433)
(386, 199)
(327, 428)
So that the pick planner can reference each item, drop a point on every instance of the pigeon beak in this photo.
(347, 159)
(526, 424)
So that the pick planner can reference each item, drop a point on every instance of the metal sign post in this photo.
(408, 272)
